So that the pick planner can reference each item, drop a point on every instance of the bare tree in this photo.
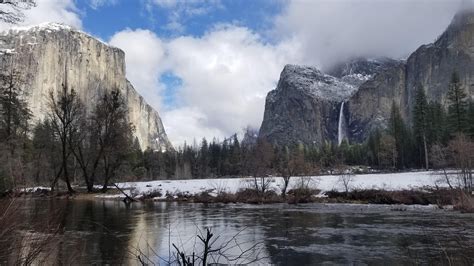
(114, 133)
(84, 146)
(346, 178)
(65, 114)
(388, 151)
(12, 11)
(439, 158)
(462, 152)
(258, 163)
(214, 253)
(291, 163)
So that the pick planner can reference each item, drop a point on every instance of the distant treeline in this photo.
(91, 148)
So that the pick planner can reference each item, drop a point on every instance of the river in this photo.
(109, 232)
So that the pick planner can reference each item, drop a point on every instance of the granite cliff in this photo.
(43, 55)
(354, 98)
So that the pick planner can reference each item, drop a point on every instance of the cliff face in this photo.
(304, 108)
(44, 54)
(293, 114)
(430, 67)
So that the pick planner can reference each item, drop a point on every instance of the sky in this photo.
(207, 65)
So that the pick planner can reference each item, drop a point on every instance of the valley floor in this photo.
(388, 182)
(408, 188)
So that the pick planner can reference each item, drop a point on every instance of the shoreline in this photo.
(441, 199)
(407, 188)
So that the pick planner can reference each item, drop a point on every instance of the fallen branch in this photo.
(127, 198)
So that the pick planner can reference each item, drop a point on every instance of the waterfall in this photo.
(340, 130)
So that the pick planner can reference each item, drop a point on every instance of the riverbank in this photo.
(410, 188)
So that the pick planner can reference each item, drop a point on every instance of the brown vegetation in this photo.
(439, 197)
(18, 244)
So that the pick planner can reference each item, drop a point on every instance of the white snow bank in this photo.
(394, 181)
(33, 189)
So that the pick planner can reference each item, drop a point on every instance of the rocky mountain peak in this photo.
(460, 33)
(359, 70)
(315, 82)
(464, 17)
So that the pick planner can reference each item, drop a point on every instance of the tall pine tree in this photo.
(399, 131)
(420, 123)
(14, 118)
(438, 130)
(471, 119)
(457, 106)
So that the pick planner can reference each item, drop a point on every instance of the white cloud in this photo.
(186, 125)
(62, 11)
(144, 56)
(165, 3)
(225, 75)
(95, 4)
(181, 11)
(337, 30)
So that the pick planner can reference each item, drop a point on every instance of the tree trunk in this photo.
(66, 174)
(286, 181)
(106, 177)
(425, 146)
(55, 181)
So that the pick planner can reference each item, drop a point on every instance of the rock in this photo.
(430, 67)
(44, 54)
(305, 106)
(359, 70)
(369, 108)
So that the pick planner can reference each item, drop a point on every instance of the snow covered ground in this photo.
(393, 181)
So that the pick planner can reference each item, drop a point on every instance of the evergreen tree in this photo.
(471, 119)
(235, 156)
(402, 135)
(45, 152)
(14, 119)
(204, 159)
(373, 147)
(457, 106)
(420, 123)
(14, 111)
(438, 131)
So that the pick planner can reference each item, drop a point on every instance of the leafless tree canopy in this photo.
(11, 11)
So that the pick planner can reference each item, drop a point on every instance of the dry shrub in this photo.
(409, 197)
(465, 203)
(21, 245)
(155, 193)
(303, 191)
(253, 196)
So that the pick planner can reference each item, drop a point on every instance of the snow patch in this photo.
(7, 51)
(317, 83)
(391, 182)
(49, 27)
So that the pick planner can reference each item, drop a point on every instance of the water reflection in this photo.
(108, 232)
